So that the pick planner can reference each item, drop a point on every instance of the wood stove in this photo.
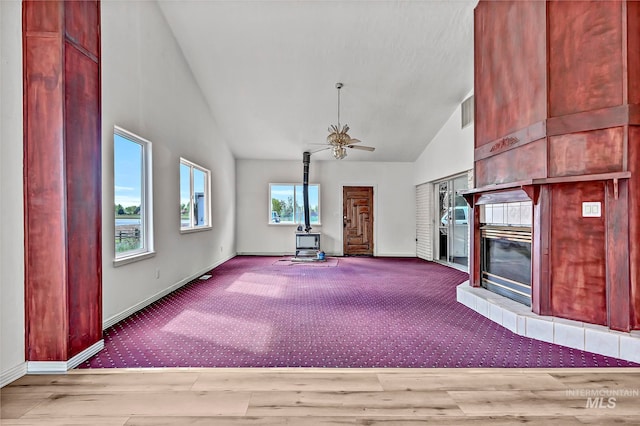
(307, 244)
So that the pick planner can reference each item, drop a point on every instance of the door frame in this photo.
(436, 228)
(375, 213)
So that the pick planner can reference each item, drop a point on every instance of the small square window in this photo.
(287, 204)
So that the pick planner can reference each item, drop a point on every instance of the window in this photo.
(194, 196)
(132, 196)
(287, 204)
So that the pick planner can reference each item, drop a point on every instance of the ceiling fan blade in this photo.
(320, 150)
(354, 140)
(362, 147)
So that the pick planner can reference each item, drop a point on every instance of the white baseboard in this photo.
(138, 306)
(61, 367)
(265, 253)
(13, 374)
(260, 253)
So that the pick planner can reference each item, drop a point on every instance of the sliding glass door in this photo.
(452, 245)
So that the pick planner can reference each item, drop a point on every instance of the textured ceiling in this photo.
(268, 70)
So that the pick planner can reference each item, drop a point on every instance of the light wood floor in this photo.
(317, 397)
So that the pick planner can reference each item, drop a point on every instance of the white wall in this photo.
(148, 89)
(450, 152)
(12, 323)
(394, 204)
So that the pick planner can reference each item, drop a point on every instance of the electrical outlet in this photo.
(157, 273)
(220, 249)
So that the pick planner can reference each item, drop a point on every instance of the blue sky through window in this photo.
(127, 172)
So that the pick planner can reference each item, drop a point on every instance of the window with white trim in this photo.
(195, 196)
(132, 195)
(286, 204)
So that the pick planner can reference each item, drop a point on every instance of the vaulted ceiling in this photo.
(268, 71)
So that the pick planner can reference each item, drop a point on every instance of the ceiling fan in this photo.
(339, 140)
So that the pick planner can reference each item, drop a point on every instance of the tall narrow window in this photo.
(132, 195)
(195, 197)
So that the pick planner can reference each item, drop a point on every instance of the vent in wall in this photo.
(467, 111)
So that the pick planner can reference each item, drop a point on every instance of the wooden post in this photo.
(62, 178)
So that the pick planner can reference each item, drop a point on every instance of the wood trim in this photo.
(625, 52)
(544, 181)
(46, 316)
(589, 120)
(617, 256)
(621, 115)
(540, 254)
(474, 247)
(584, 178)
(634, 115)
(513, 140)
(496, 187)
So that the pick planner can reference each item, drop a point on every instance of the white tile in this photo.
(568, 322)
(498, 214)
(466, 298)
(601, 342)
(526, 214)
(510, 320)
(495, 313)
(630, 348)
(596, 327)
(522, 325)
(488, 214)
(540, 329)
(513, 212)
(482, 307)
(568, 335)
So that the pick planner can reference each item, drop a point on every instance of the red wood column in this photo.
(634, 220)
(617, 250)
(633, 82)
(474, 245)
(62, 178)
(540, 253)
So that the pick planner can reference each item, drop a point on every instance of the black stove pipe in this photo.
(306, 159)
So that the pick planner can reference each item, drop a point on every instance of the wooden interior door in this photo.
(357, 205)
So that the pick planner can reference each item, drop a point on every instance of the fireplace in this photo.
(505, 261)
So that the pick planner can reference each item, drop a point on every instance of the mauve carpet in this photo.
(364, 312)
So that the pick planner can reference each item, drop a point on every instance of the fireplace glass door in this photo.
(506, 261)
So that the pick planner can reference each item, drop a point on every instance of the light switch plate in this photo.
(591, 209)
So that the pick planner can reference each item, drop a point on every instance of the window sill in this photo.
(125, 260)
(192, 230)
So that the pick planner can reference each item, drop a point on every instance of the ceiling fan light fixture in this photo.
(339, 152)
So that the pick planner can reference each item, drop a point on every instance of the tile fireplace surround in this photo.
(574, 334)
